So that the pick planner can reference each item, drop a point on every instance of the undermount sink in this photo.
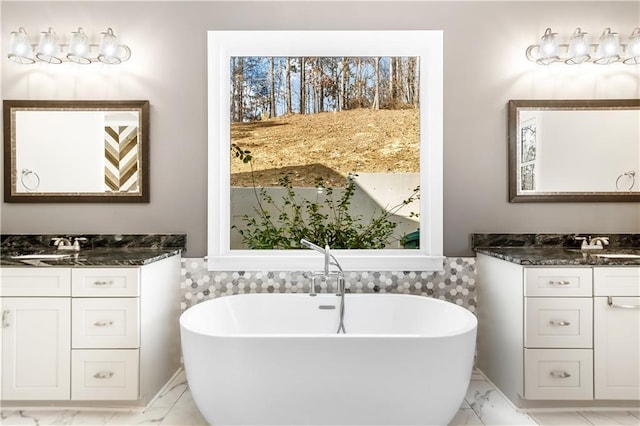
(618, 256)
(41, 256)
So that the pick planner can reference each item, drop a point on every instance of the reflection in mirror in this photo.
(325, 148)
(76, 151)
(574, 150)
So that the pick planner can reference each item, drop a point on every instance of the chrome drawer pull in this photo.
(5, 318)
(559, 323)
(559, 282)
(560, 374)
(615, 305)
(101, 283)
(103, 323)
(103, 375)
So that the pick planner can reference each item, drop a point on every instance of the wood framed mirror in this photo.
(76, 151)
(574, 150)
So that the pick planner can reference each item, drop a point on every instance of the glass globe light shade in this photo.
(20, 50)
(48, 48)
(548, 50)
(109, 47)
(579, 48)
(609, 48)
(79, 48)
(633, 48)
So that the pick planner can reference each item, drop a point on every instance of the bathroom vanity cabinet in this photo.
(89, 333)
(560, 336)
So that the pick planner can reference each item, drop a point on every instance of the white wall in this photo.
(485, 66)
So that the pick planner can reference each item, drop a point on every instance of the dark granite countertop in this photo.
(96, 249)
(103, 257)
(560, 256)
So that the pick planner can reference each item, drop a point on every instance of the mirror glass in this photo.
(76, 151)
(580, 150)
(302, 123)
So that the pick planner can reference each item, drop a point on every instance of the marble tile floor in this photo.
(483, 405)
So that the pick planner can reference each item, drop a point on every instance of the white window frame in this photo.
(428, 45)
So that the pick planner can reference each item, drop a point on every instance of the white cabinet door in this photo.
(616, 347)
(36, 337)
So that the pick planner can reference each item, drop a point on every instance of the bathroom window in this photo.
(262, 85)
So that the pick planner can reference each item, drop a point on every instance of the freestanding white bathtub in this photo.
(275, 359)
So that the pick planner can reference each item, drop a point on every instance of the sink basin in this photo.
(618, 256)
(40, 256)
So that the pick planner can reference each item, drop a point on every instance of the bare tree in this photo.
(415, 82)
(288, 85)
(375, 105)
(237, 101)
(344, 83)
(272, 88)
(303, 87)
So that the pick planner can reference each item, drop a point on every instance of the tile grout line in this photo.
(585, 418)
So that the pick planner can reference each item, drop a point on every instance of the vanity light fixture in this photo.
(579, 50)
(79, 50)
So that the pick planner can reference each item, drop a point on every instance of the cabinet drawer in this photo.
(558, 323)
(105, 323)
(105, 282)
(558, 282)
(104, 375)
(39, 282)
(558, 374)
(616, 281)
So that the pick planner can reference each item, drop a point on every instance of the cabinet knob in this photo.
(103, 323)
(101, 283)
(559, 323)
(560, 374)
(103, 375)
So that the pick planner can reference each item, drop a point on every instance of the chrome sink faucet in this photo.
(595, 243)
(63, 243)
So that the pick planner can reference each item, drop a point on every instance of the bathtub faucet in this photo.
(329, 260)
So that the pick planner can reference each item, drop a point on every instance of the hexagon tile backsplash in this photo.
(456, 283)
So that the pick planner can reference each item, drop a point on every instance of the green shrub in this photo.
(281, 225)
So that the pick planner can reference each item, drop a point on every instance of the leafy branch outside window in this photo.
(282, 225)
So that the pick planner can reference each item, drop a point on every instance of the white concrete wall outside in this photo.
(374, 192)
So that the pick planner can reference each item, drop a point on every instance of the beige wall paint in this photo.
(484, 45)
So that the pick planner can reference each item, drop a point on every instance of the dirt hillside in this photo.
(328, 144)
